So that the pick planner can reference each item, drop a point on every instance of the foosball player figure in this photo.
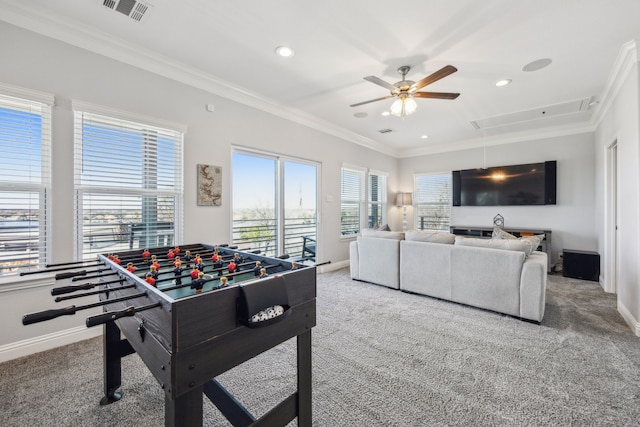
(256, 269)
(197, 263)
(110, 256)
(177, 271)
(176, 250)
(146, 255)
(188, 258)
(198, 283)
(223, 282)
(232, 266)
(238, 259)
(154, 272)
(154, 261)
(116, 259)
(216, 256)
(295, 266)
(218, 265)
(131, 268)
(263, 273)
(194, 273)
(171, 254)
(150, 280)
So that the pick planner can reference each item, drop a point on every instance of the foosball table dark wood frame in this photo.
(187, 342)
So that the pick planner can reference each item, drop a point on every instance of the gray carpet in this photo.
(383, 358)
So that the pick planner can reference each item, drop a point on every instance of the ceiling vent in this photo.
(135, 10)
(571, 107)
(385, 130)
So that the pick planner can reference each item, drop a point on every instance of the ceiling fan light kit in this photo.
(405, 91)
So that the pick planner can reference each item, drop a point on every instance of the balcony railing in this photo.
(262, 234)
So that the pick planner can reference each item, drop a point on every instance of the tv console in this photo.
(486, 233)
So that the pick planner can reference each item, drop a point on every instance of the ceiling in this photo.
(227, 47)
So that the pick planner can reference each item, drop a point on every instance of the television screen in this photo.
(526, 184)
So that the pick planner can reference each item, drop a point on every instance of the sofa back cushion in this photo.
(522, 245)
(395, 235)
(430, 236)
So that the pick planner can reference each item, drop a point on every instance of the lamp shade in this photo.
(404, 199)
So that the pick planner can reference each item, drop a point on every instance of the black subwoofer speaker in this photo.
(581, 264)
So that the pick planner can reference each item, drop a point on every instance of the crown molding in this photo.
(510, 138)
(97, 42)
(625, 61)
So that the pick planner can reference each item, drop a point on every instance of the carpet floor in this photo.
(383, 358)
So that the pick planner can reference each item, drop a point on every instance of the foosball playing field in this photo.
(192, 313)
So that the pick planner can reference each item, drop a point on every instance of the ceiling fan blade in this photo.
(380, 82)
(372, 100)
(441, 73)
(436, 95)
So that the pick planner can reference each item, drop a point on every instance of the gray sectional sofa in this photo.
(503, 275)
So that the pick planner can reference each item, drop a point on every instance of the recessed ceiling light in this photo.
(424, 136)
(503, 82)
(386, 113)
(536, 65)
(284, 51)
(360, 114)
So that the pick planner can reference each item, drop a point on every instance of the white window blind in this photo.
(377, 204)
(128, 182)
(25, 144)
(433, 201)
(351, 200)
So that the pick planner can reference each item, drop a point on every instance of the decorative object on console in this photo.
(209, 185)
(498, 220)
(404, 199)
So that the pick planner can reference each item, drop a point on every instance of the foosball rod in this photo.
(83, 287)
(94, 276)
(51, 270)
(70, 274)
(101, 291)
(61, 264)
(28, 319)
(99, 319)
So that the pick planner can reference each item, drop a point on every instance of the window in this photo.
(355, 213)
(274, 204)
(432, 201)
(351, 200)
(25, 143)
(377, 206)
(128, 183)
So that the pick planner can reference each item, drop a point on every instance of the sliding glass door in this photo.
(274, 204)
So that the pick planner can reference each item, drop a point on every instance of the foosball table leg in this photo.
(185, 410)
(112, 365)
(304, 379)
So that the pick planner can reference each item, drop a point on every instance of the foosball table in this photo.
(190, 325)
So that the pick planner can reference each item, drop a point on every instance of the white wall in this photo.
(571, 220)
(621, 124)
(35, 62)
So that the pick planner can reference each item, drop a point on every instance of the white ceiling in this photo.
(227, 47)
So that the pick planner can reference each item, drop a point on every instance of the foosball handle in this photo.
(68, 289)
(70, 274)
(28, 319)
(99, 319)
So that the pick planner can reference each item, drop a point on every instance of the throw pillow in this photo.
(524, 246)
(384, 228)
(430, 236)
(499, 233)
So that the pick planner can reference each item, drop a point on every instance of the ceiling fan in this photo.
(406, 90)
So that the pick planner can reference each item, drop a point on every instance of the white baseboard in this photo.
(333, 266)
(47, 342)
(633, 323)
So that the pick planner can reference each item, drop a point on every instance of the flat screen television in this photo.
(514, 185)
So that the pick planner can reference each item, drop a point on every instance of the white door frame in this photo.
(611, 217)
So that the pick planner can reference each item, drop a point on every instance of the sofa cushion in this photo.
(395, 235)
(521, 245)
(430, 236)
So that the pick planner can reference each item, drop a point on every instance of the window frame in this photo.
(22, 99)
(418, 203)
(145, 125)
(363, 200)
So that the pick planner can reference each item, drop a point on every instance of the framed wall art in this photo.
(209, 185)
